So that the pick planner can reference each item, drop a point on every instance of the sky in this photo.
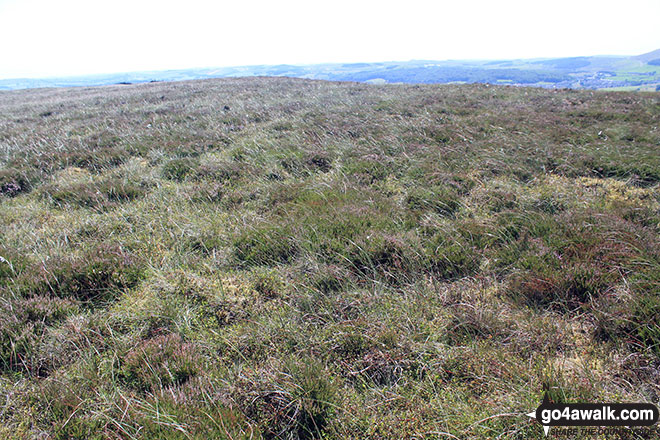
(45, 38)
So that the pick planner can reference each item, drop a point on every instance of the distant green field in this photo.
(644, 73)
(644, 88)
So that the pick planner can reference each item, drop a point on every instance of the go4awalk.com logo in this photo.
(594, 414)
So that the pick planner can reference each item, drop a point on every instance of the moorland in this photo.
(292, 259)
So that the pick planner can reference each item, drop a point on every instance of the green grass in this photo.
(292, 259)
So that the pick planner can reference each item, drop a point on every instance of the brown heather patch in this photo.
(24, 324)
(160, 362)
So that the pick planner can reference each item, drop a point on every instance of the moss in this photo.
(269, 284)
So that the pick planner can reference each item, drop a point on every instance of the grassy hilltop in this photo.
(284, 259)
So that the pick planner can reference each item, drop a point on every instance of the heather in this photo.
(294, 259)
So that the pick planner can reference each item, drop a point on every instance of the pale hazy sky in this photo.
(73, 37)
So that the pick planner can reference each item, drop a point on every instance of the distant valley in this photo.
(589, 72)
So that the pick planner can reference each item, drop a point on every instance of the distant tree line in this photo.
(566, 63)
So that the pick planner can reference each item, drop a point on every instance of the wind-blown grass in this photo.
(291, 259)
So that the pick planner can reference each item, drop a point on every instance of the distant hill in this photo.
(649, 56)
(640, 72)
